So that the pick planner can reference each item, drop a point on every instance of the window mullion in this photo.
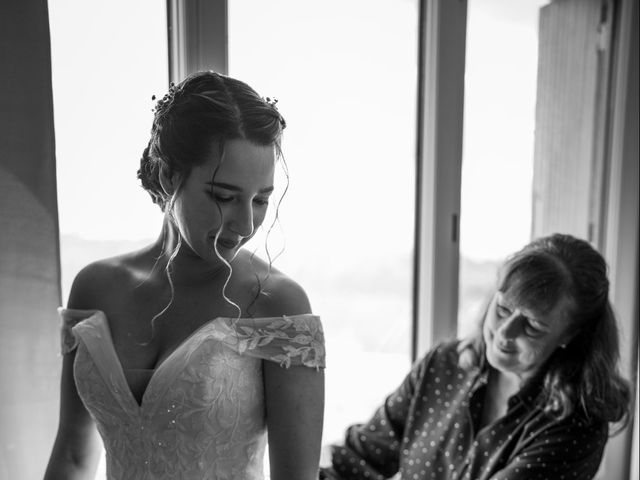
(197, 37)
(439, 158)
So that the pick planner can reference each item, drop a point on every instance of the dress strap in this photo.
(70, 318)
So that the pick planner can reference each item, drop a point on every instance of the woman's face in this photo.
(518, 340)
(231, 204)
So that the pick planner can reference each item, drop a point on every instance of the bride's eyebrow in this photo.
(235, 188)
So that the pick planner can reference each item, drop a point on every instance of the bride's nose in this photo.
(241, 219)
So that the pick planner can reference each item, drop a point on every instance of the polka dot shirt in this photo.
(427, 430)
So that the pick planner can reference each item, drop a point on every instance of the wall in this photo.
(29, 271)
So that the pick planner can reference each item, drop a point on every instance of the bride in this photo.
(188, 355)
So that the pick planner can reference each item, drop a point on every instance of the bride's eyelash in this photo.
(225, 199)
(218, 197)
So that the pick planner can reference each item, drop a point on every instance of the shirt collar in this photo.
(528, 394)
(531, 390)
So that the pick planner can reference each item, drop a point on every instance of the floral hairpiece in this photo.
(166, 99)
(272, 102)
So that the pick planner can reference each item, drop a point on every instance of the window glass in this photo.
(106, 65)
(344, 73)
(108, 59)
(498, 144)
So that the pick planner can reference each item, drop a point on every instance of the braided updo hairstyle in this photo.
(204, 110)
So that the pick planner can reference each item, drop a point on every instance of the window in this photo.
(498, 145)
(345, 76)
(103, 81)
(102, 87)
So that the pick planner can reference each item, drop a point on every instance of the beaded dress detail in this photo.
(202, 415)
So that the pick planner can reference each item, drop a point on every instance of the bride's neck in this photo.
(186, 267)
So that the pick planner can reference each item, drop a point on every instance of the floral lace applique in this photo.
(295, 340)
(307, 344)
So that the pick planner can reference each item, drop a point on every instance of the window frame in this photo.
(441, 57)
(621, 224)
(441, 60)
(197, 37)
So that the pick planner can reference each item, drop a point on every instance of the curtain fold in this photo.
(29, 244)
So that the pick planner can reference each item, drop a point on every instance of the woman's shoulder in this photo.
(104, 276)
(279, 293)
(446, 350)
(284, 296)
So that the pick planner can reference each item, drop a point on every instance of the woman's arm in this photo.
(77, 445)
(294, 397)
(372, 450)
(295, 406)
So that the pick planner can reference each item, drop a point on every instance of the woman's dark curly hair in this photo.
(584, 375)
(204, 110)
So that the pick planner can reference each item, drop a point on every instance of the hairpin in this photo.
(167, 97)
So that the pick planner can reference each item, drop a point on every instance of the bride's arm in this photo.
(295, 405)
(77, 446)
(294, 400)
(76, 449)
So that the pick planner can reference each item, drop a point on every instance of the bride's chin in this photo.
(220, 255)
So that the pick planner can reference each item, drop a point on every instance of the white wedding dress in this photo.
(202, 414)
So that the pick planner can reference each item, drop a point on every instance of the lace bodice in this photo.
(202, 413)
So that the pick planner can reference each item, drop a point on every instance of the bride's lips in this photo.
(228, 244)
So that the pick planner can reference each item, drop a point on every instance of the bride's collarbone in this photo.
(143, 342)
(148, 321)
(142, 332)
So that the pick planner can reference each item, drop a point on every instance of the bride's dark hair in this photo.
(205, 110)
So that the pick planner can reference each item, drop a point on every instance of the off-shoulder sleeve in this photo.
(287, 340)
(69, 319)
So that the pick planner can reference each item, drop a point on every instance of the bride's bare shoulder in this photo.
(103, 278)
(279, 293)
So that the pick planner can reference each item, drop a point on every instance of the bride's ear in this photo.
(168, 180)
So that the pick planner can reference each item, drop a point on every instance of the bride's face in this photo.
(224, 200)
